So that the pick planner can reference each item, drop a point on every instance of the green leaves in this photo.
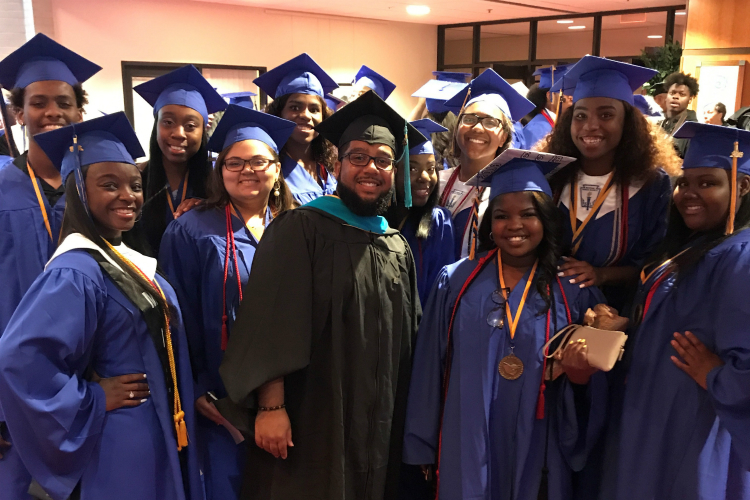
(665, 60)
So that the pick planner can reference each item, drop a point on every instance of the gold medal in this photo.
(510, 367)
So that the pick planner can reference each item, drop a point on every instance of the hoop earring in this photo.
(276, 187)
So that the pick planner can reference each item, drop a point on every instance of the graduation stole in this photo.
(157, 322)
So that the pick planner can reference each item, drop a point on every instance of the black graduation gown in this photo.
(334, 310)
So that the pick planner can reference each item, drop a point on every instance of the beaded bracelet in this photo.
(271, 408)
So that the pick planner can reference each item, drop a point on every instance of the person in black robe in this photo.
(320, 355)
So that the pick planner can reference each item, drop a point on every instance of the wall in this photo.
(12, 30)
(108, 32)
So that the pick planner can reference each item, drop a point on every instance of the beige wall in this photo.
(111, 31)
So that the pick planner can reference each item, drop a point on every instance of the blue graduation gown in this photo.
(493, 446)
(433, 253)
(536, 130)
(192, 255)
(675, 440)
(518, 140)
(303, 186)
(74, 318)
(176, 196)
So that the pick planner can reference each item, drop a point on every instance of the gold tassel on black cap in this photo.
(736, 155)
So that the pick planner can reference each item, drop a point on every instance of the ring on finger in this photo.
(132, 394)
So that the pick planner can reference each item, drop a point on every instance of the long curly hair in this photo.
(323, 151)
(638, 156)
(550, 249)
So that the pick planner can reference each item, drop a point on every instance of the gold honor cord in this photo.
(736, 154)
(39, 199)
(184, 193)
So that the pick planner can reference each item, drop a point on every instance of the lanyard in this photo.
(39, 199)
(514, 321)
(578, 230)
(184, 193)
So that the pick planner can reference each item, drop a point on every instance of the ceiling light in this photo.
(417, 10)
(565, 21)
(654, 36)
(576, 27)
(680, 13)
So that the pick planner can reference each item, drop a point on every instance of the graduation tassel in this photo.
(181, 429)
(224, 335)
(407, 167)
(543, 386)
(473, 235)
(736, 155)
(558, 109)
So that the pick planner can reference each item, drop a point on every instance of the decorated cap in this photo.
(551, 74)
(600, 77)
(241, 98)
(300, 75)
(711, 146)
(371, 120)
(426, 127)
(42, 59)
(371, 79)
(491, 87)
(333, 102)
(184, 86)
(517, 170)
(241, 124)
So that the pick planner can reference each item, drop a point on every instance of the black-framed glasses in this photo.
(488, 122)
(362, 160)
(496, 317)
(257, 164)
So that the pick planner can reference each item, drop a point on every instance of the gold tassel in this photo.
(736, 154)
(181, 429)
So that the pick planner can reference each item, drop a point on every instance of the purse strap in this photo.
(565, 333)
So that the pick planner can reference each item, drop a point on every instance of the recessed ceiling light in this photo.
(680, 13)
(654, 36)
(417, 10)
(565, 21)
(576, 27)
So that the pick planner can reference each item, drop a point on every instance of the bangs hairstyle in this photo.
(419, 217)
(638, 156)
(218, 197)
(505, 125)
(323, 151)
(77, 220)
(18, 94)
(550, 248)
(679, 235)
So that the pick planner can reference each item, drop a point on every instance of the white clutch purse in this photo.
(605, 347)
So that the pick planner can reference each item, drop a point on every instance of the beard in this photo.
(363, 208)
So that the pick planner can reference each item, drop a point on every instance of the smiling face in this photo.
(424, 179)
(477, 142)
(702, 197)
(306, 110)
(48, 105)
(115, 197)
(597, 126)
(179, 132)
(369, 185)
(516, 227)
(247, 185)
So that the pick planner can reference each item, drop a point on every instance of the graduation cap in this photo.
(426, 127)
(371, 120)
(642, 103)
(715, 146)
(300, 75)
(333, 102)
(600, 77)
(452, 76)
(43, 59)
(184, 86)
(548, 76)
(367, 77)
(108, 138)
(240, 124)
(241, 98)
(491, 87)
(436, 92)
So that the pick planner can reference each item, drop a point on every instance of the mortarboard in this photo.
(300, 75)
(243, 99)
(436, 92)
(715, 146)
(437, 105)
(550, 75)
(646, 105)
(333, 102)
(426, 127)
(184, 86)
(491, 87)
(367, 77)
(43, 59)
(600, 77)
(370, 119)
(240, 124)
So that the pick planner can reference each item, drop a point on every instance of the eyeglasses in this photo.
(488, 122)
(496, 317)
(362, 160)
(257, 164)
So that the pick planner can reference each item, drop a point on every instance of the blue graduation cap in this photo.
(436, 92)
(711, 146)
(42, 59)
(645, 106)
(184, 86)
(332, 101)
(452, 76)
(600, 77)
(371, 79)
(550, 75)
(241, 98)
(108, 138)
(240, 124)
(491, 87)
(300, 75)
(426, 127)
(517, 170)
